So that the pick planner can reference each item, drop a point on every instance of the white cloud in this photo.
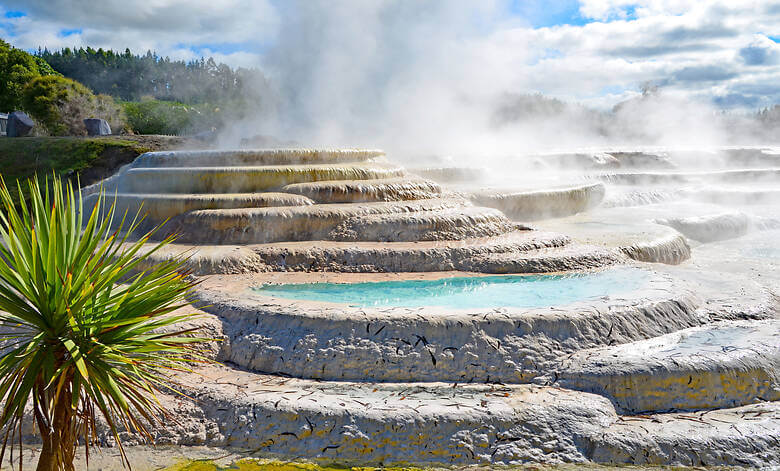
(605, 9)
(699, 48)
(170, 27)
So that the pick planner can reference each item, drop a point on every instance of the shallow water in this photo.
(526, 291)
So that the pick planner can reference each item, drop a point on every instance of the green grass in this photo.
(88, 159)
(21, 158)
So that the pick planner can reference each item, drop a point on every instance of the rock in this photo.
(97, 127)
(19, 124)
(206, 136)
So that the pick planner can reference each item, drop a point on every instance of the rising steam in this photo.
(434, 78)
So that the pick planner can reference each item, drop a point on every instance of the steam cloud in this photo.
(406, 76)
(445, 78)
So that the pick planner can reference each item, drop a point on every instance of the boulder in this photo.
(97, 127)
(19, 124)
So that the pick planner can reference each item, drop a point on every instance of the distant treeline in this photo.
(770, 116)
(130, 77)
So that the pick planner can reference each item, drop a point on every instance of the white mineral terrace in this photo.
(674, 361)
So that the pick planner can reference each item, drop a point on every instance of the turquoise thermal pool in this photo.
(524, 291)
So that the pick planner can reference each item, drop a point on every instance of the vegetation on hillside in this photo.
(142, 94)
(150, 116)
(60, 105)
(164, 96)
(85, 335)
(131, 77)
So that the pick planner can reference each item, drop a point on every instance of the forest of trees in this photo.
(130, 77)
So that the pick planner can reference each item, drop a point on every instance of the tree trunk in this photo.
(58, 443)
(47, 461)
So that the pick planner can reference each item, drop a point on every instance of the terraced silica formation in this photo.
(542, 203)
(368, 315)
(354, 191)
(256, 198)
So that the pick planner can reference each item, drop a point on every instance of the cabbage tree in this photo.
(87, 330)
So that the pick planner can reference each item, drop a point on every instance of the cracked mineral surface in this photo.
(682, 370)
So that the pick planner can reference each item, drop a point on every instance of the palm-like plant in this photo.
(82, 322)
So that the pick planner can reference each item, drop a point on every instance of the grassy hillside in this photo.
(90, 158)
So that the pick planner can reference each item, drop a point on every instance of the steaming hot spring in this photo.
(622, 310)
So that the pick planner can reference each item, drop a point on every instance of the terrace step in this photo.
(671, 249)
(313, 339)
(570, 258)
(290, 223)
(724, 365)
(761, 175)
(391, 424)
(352, 257)
(439, 424)
(641, 241)
(542, 203)
(228, 158)
(615, 198)
(159, 207)
(744, 437)
(711, 228)
(604, 160)
(246, 179)
(424, 256)
(358, 191)
(450, 224)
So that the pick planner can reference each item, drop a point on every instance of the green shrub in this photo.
(60, 105)
(151, 116)
(17, 68)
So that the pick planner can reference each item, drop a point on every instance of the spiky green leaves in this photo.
(85, 327)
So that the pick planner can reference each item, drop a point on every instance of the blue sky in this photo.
(597, 52)
(555, 13)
